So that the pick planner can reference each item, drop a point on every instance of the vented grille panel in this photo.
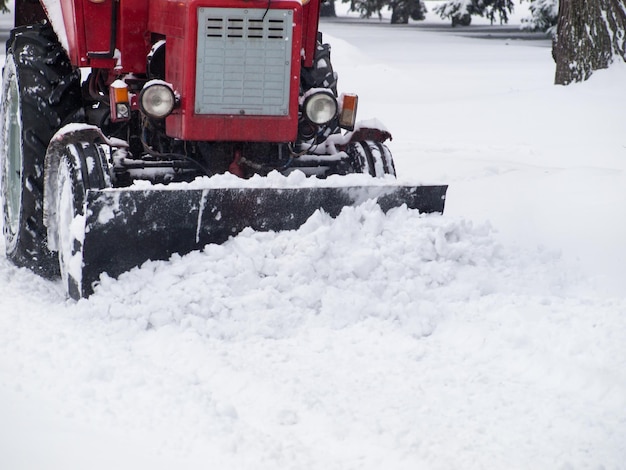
(243, 61)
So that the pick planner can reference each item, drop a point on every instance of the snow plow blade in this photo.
(127, 227)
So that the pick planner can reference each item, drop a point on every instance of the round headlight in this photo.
(157, 100)
(320, 108)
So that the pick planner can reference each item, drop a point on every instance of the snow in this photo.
(490, 337)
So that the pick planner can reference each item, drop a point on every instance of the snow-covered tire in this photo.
(372, 158)
(82, 166)
(40, 93)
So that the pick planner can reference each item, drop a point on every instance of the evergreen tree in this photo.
(401, 10)
(367, 8)
(458, 11)
(590, 36)
(461, 11)
(544, 16)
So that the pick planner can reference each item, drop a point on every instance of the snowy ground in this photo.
(491, 337)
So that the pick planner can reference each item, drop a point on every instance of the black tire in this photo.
(372, 158)
(82, 166)
(41, 93)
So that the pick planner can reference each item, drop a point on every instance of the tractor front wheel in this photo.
(372, 158)
(82, 166)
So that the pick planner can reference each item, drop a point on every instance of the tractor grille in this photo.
(243, 61)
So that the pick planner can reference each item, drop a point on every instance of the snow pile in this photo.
(389, 341)
(365, 264)
(296, 179)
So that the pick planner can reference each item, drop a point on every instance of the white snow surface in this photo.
(492, 337)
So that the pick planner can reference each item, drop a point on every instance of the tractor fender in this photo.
(67, 135)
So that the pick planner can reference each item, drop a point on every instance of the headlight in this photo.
(157, 100)
(320, 108)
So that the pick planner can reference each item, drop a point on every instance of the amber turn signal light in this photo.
(347, 116)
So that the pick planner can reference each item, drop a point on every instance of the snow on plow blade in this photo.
(126, 227)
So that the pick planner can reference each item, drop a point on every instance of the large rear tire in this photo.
(40, 93)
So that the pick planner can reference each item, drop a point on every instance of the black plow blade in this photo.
(126, 227)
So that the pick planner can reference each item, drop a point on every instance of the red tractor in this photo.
(118, 114)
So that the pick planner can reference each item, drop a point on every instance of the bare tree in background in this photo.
(590, 35)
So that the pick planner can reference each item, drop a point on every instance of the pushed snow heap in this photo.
(358, 264)
(122, 167)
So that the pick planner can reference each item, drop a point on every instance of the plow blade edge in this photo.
(126, 227)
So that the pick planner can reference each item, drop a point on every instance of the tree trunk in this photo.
(590, 34)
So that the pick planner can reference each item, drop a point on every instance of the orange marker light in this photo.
(120, 101)
(347, 116)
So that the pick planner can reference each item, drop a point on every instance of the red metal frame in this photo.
(178, 22)
(89, 39)
(310, 25)
(89, 27)
(80, 17)
(133, 38)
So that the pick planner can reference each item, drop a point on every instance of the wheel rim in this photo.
(13, 146)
